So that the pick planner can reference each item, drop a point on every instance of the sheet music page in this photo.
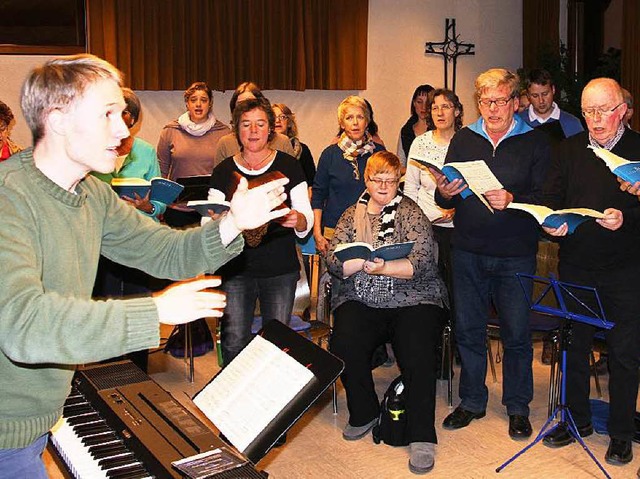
(251, 391)
(478, 176)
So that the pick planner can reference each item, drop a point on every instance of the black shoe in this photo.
(547, 348)
(619, 451)
(519, 426)
(460, 418)
(561, 436)
(281, 441)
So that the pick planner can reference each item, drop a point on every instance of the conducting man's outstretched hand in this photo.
(187, 301)
(253, 207)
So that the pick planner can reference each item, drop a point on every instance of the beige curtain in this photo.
(540, 31)
(630, 55)
(279, 44)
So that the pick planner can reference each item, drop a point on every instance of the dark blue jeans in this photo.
(24, 462)
(276, 295)
(476, 279)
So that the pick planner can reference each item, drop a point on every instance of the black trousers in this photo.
(414, 332)
(619, 290)
(114, 280)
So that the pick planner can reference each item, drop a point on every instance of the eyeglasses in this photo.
(592, 112)
(443, 108)
(485, 102)
(282, 117)
(379, 182)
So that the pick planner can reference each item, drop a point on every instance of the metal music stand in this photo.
(563, 292)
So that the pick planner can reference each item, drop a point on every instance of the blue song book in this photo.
(556, 218)
(162, 190)
(361, 250)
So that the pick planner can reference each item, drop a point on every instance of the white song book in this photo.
(251, 391)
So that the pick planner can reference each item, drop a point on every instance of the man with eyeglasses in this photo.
(543, 110)
(604, 254)
(490, 247)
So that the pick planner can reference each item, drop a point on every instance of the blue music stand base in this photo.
(562, 412)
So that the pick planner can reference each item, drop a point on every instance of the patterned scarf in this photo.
(196, 129)
(352, 149)
(375, 289)
(611, 143)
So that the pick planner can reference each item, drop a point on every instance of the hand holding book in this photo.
(556, 220)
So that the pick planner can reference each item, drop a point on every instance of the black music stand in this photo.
(594, 317)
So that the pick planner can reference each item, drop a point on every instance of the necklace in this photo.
(258, 165)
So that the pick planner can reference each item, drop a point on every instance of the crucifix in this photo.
(450, 49)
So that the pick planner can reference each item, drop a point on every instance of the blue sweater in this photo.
(569, 123)
(334, 187)
(519, 162)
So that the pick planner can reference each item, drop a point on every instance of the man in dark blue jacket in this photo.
(490, 247)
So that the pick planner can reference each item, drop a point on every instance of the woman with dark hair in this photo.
(137, 159)
(7, 146)
(375, 301)
(267, 269)
(444, 118)
(228, 145)
(186, 146)
(416, 125)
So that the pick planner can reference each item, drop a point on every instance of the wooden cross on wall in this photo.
(450, 49)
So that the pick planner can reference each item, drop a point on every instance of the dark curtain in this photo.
(630, 73)
(540, 32)
(279, 44)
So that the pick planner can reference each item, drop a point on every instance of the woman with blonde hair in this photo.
(286, 125)
(339, 179)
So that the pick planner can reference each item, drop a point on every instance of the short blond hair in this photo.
(383, 162)
(496, 78)
(58, 83)
(353, 101)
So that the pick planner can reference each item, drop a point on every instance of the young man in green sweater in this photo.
(55, 223)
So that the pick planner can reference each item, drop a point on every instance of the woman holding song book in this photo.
(444, 119)
(375, 301)
(268, 269)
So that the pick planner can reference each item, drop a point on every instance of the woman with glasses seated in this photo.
(401, 301)
(339, 179)
(7, 146)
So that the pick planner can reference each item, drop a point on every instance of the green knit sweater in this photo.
(50, 242)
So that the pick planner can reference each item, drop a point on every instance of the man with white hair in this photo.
(604, 254)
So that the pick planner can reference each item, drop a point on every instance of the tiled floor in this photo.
(315, 448)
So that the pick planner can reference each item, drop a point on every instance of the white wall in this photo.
(398, 30)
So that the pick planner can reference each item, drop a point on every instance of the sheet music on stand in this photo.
(259, 395)
(250, 392)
